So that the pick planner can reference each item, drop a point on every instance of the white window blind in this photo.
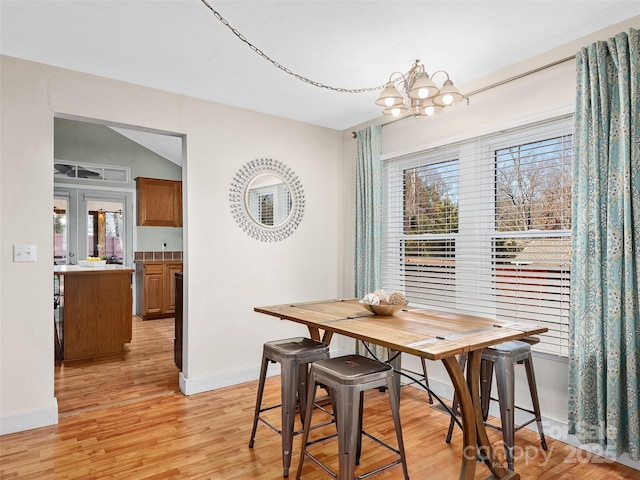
(484, 226)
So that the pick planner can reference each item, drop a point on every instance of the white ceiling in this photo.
(180, 46)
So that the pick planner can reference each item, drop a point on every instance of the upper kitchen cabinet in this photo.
(159, 202)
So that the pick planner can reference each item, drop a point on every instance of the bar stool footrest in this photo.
(381, 442)
(270, 425)
(297, 432)
(516, 427)
(379, 469)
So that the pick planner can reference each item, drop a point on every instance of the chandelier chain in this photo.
(278, 65)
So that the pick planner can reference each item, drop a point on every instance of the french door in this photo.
(92, 223)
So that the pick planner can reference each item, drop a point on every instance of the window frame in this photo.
(477, 223)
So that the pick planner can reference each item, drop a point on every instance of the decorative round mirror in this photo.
(267, 200)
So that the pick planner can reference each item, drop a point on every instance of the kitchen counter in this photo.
(68, 269)
(95, 309)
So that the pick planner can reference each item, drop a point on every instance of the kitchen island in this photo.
(95, 309)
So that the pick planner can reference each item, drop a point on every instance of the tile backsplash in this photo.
(156, 256)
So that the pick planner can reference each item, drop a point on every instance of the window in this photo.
(430, 220)
(91, 172)
(484, 226)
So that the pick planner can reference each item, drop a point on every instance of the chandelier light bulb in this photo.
(423, 93)
(449, 95)
(389, 97)
(395, 112)
(430, 110)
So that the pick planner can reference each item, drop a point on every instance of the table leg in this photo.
(468, 468)
(314, 332)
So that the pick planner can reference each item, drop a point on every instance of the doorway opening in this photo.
(94, 215)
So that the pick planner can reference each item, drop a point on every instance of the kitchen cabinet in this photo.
(155, 283)
(159, 202)
(153, 289)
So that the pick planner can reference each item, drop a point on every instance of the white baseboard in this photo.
(29, 420)
(192, 386)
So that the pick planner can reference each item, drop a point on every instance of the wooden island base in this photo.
(96, 310)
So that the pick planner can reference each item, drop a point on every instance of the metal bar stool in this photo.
(503, 357)
(347, 378)
(293, 354)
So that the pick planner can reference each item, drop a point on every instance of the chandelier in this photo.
(423, 96)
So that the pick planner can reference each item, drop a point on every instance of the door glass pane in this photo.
(92, 234)
(60, 231)
(105, 230)
(114, 226)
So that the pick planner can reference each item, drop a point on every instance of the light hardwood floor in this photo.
(123, 417)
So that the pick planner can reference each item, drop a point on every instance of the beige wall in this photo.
(228, 272)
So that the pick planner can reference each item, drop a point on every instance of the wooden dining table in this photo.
(428, 333)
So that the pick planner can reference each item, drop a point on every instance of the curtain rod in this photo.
(493, 85)
(524, 74)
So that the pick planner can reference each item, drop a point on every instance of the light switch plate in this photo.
(24, 253)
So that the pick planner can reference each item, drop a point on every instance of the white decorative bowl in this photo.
(383, 309)
(87, 263)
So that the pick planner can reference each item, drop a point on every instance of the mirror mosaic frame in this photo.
(238, 195)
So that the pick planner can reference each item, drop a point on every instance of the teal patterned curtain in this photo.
(604, 335)
(368, 219)
(368, 210)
